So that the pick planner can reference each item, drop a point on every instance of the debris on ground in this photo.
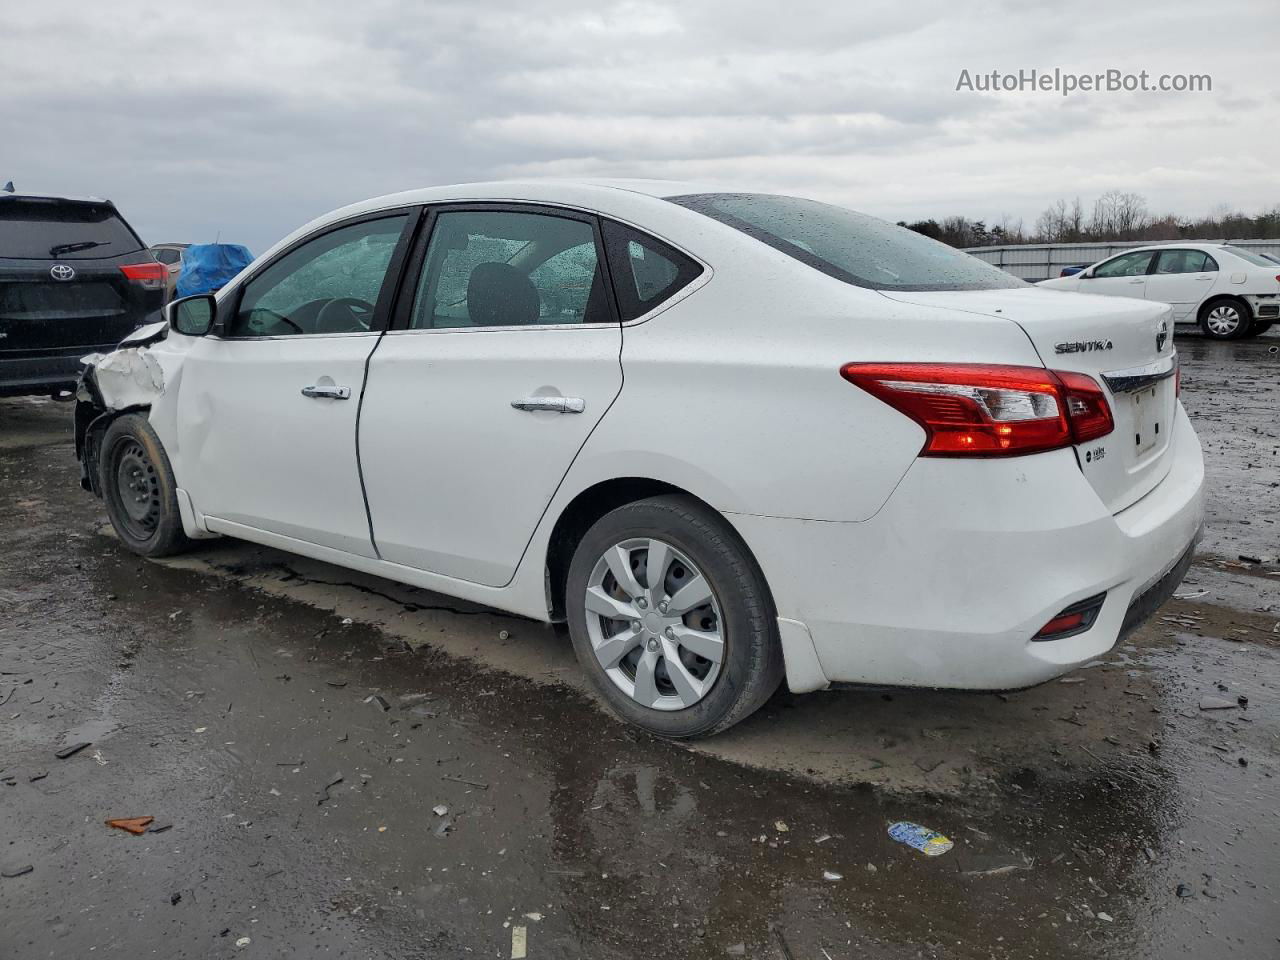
(439, 809)
(11, 872)
(324, 793)
(929, 842)
(519, 943)
(243, 942)
(1104, 916)
(72, 749)
(736, 950)
(380, 700)
(780, 826)
(38, 775)
(1184, 890)
(832, 875)
(470, 783)
(445, 827)
(135, 825)
(160, 827)
(1217, 703)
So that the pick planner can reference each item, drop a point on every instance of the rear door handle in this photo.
(327, 392)
(553, 404)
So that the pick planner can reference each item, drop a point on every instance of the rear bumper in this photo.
(45, 372)
(947, 584)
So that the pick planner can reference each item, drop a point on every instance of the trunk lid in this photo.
(1125, 345)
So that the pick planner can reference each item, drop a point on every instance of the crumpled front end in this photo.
(131, 377)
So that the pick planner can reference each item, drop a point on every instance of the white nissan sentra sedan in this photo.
(730, 438)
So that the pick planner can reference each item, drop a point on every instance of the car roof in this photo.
(53, 196)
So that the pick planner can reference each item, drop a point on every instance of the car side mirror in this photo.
(193, 316)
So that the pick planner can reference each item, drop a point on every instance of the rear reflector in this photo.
(1075, 619)
(988, 410)
(149, 276)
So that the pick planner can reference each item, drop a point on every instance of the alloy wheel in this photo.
(654, 623)
(1223, 320)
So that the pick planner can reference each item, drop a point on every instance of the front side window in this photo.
(645, 270)
(850, 246)
(507, 269)
(1184, 261)
(1129, 265)
(328, 285)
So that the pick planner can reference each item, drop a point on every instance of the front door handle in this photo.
(327, 392)
(1139, 280)
(553, 404)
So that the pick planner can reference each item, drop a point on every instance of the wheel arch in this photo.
(588, 506)
(1217, 298)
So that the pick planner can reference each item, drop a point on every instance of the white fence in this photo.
(1040, 261)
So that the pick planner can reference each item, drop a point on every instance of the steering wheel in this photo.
(344, 315)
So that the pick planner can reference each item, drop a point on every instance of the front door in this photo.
(1182, 278)
(1122, 276)
(506, 357)
(267, 408)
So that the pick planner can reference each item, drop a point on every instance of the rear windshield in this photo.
(849, 246)
(1249, 256)
(58, 230)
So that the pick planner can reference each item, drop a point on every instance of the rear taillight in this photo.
(1177, 374)
(149, 276)
(987, 410)
(1075, 619)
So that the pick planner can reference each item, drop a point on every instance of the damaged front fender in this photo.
(131, 377)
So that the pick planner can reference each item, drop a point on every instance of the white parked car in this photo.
(1230, 291)
(730, 438)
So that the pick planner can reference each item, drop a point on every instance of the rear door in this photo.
(1182, 279)
(1122, 276)
(505, 356)
(63, 286)
(267, 406)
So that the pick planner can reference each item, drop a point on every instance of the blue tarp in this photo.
(207, 266)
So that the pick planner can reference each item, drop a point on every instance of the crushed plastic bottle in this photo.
(929, 842)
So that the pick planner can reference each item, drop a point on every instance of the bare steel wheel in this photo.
(138, 488)
(671, 617)
(654, 624)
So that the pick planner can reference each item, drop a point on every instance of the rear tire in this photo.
(138, 488)
(637, 641)
(1225, 319)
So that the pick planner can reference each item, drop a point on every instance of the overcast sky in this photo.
(249, 119)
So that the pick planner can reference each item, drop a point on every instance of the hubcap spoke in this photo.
(702, 642)
(612, 650)
(601, 603)
(693, 594)
(657, 559)
(646, 687)
(688, 687)
(619, 561)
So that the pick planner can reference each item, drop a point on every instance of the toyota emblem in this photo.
(1162, 334)
(60, 271)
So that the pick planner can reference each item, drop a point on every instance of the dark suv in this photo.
(74, 279)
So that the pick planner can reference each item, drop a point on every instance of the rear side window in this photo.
(850, 246)
(645, 270)
(33, 229)
(1185, 261)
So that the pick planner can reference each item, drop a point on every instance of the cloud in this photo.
(252, 118)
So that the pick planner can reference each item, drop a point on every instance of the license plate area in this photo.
(1148, 412)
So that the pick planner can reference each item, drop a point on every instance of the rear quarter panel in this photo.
(735, 394)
